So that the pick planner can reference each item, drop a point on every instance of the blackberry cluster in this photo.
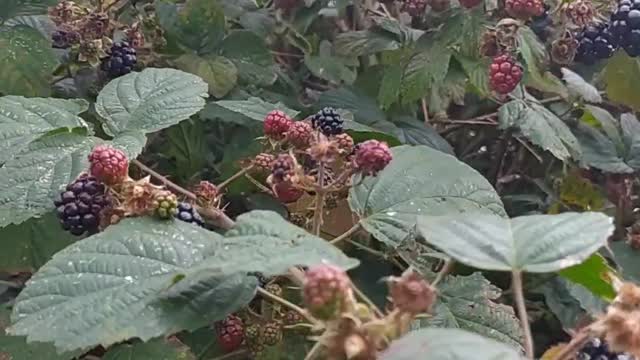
(595, 42)
(625, 26)
(328, 121)
(81, 204)
(121, 60)
(597, 349)
(187, 213)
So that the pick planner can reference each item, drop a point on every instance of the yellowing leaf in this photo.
(622, 78)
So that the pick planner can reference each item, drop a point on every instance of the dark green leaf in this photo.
(599, 151)
(154, 349)
(627, 259)
(11, 8)
(26, 247)
(412, 132)
(390, 86)
(23, 120)
(468, 302)
(217, 71)
(424, 70)
(330, 68)
(252, 57)
(252, 108)
(26, 61)
(366, 42)
(533, 243)
(541, 127)
(535, 56)
(622, 78)
(150, 100)
(388, 204)
(631, 134)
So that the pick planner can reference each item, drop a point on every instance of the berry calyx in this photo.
(595, 42)
(328, 121)
(165, 204)
(580, 12)
(81, 205)
(372, 156)
(275, 289)
(504, 74)
(230, 333)
(276, 125)
(121, 61)
(326, 291)
(524, 9)
(299, 134)
(108, 164)
(187, 213)
(263, 162)
(272, 333)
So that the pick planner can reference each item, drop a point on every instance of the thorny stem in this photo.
(288, 304)
(320, 194)
(216, 216)
(243, 171)
(315, 350)
(258, 184)
(446, 269)
(518, 293)
(346, 234)
(569, 350)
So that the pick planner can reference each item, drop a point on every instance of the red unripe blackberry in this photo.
(470, 3)
(299, 134)
(263, 162)
(81, 205)
(372, 156)
(276, 125)
(415, 8)
(230, 333)
(524, 9)
(504, 74)
(326, 291)
(286, 192)
(108, 164)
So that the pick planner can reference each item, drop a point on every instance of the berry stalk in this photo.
(518, 294)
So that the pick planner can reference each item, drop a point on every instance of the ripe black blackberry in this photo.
(625, 26)
(122, 59)
(542, 25)
(595, 42)
(187, 213)
(328, 121)
(597, 349)
(81, 204)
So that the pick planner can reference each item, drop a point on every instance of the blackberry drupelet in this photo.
(81, 204)
(597, 349)
(595, 42)
(328, 121)
(121, 60)
(625, 26)
(187, 213)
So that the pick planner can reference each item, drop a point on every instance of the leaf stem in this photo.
(168, 183)
(346, 234)
(320, 194)
(288, 304)
(258, 184)
(225, 183)
(315, 350)
(446, 269)
(518, 292)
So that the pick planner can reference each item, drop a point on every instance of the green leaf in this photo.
(23, 120)
(11, 8)
(579, 87)
(389, 203)
(150, 100)
(562, 303)
(609, 124)
(251, 55)
(17, 348)
(593, 274)
(599, 151)
(413, 132)
(253, 108)
(156, 349)
(26, 247)
(26, 62)
(541, 127)
(112, 286)
(199, 25)
(186, 144)
(536, 59)
(424, 70)
(390, 86)
(364, 109)
(447, 344)
(31, 180)
(533, 243)
(366, 42)
(468, 303)
(627, 259)
(131, 142)
(622, 79)
(631, 134)
(330, 68)
(217, 71)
